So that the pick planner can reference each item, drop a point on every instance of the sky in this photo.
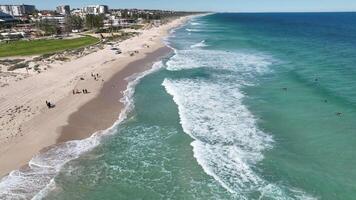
(206, 5)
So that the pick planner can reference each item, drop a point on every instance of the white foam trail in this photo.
(227, 141)
(133, 80)
(195, 23)
(26, 183)
(199, 45)
(192, 30)
(37, 180)
(197, 58)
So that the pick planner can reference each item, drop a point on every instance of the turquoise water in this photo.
(249, 106)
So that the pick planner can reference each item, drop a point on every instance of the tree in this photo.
(73, 23)
(68, 26)
(48, 27)
(94, 21)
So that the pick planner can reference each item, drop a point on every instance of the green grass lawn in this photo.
(38, 47)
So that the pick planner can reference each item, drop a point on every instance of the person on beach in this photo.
(49, 105)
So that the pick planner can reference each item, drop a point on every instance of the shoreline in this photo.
(107, 106)
(76, 117)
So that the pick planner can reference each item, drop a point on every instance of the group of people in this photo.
(316, 80)
(84, 91)
(76, 91)
(96, 76)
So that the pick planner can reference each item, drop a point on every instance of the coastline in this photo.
(77, 117)
(103, 110)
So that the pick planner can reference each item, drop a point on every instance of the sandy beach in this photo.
(28, 126)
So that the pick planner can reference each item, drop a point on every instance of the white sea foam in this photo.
(227, 141)
(37, 180)
(199, 44)
(198, 58)
(195, 23)
(192, 30)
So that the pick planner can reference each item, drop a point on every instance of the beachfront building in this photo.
(18, 10)
(63, 9)
(115, 22)
(6, 21)
(8, 36)
(59, 20)
(95, 9)
(77, 12)
(6, 18)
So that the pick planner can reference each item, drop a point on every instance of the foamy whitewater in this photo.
(248, 106)
(228, 143)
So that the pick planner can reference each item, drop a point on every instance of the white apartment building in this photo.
(17, 10)
(60, 20)
(95, 9)
(63, 9)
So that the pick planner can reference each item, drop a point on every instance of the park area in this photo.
(38, 47)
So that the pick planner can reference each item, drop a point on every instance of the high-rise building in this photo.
(96, 9)
(18, 10)
(63, 9)
(103, 9)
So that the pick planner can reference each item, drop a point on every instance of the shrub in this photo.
(36, 67)
(47, 55)
(62, 59)
(18, 66)
(11, 62)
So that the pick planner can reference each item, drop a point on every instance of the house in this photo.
(119, 22)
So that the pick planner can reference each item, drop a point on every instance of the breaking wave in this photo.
(199, 45)
(227, 141)
(192, 30)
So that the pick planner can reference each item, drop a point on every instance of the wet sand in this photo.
(102, 111)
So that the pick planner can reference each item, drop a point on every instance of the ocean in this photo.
(248, 106)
